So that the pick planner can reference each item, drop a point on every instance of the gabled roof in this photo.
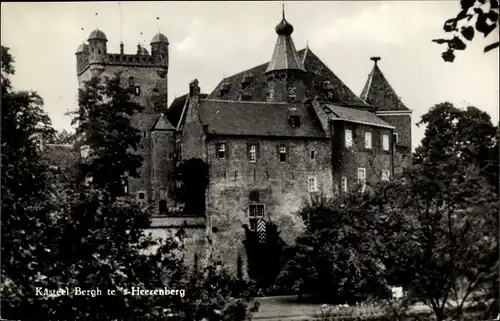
(317, 74)
(379, 93)
(162, 123)
(225, 117)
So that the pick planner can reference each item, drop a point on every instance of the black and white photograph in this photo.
(250, 160)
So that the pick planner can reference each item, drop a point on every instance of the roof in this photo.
(82, 48)
(97, 34)
(317, 74)
(284, 55)
(355, 116)
(159, 37)
(379, 93)
(162, 123)
(258, 119)
(174, 111)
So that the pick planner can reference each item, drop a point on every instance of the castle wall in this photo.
(281, 187)
(374, 160)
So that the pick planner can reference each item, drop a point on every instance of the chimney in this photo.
(139, 49)
(194, 89)
(121, 48)
(224, 89)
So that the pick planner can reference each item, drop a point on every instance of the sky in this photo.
(210, 40)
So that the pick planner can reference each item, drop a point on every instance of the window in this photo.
(256, 214)
(253, 153)
(141, 195)
(396, 137)
(178, 149)
(295, 121)
(221, 151)
(368, 140)
(385, 174)
(282, 150)
(348, 138)
(344, 184)
(385, 142)
(145, 134)
(125, 185)
(163, 207)
(362, 178)
(311, 184)
(313, 154)
(137, 90)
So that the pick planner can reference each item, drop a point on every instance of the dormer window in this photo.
(295, 121)
(292, 92)
(245, 81)
(245, 97)
(224, 89)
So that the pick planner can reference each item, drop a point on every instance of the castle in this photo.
(272, 135)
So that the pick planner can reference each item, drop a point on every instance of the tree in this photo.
(63, 137)
(455, 139)
(90, 238)
(104, 122)
(25, 184)
(475, 16)
(330, 259)
(194, 177)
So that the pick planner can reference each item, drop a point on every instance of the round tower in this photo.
(82, 57)
(159, 49)
(97, 46)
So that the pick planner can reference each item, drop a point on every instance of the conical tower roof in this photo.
(284, 55)
(379, 93)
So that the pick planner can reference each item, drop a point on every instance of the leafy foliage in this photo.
(56, 237)
(194, 176)
(104, 123)
(456, 139)
(264, 257)
(476, 16)
(330, 258)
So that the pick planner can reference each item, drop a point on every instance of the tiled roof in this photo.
(174, 111)
(356, 115)
(317, 74)
(379, 93)
(162, 123)
(258, 119)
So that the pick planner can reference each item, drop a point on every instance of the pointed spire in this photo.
(285, 55)
(378, 92)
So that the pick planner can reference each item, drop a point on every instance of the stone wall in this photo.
(281, 187)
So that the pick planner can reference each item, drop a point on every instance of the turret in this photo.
(285, 70)
(159, 49)
(82, 57)
(97, 46)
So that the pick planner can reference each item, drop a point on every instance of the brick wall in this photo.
(403, 147)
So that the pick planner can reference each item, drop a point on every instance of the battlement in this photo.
(95, 52)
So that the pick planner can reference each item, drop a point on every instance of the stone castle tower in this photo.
(145, 74)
